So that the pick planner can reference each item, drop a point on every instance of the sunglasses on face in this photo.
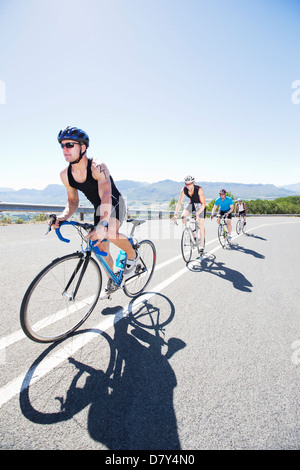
(69, 145)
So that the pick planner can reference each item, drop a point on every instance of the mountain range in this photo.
(145, 193)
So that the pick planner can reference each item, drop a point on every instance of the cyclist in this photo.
(197, 203)
(92, 177)
(226, 208)
(242, 209)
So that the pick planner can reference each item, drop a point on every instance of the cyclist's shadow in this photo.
(208, 264)
(131, 403)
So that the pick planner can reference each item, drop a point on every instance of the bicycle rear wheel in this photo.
(137, 283)
(223, 235)
(186, 245)
(60, 298)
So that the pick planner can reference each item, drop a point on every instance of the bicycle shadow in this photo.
(246, 251)
(129, 404)
(209, 265)
(252, 235)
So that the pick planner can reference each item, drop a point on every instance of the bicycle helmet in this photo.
(189, 179)
(78, 135)
(222, 191)
(73, 133)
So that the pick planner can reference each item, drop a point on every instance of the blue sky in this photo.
(164, 88)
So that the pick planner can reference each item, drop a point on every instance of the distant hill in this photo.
(138, 192)
(292, 187)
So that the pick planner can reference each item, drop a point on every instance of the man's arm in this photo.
(202, 200)
(72, 202)
(179, 203)
(101, 173)
(213, 211)
(230, 209)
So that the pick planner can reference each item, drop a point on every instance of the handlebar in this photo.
(75, 224)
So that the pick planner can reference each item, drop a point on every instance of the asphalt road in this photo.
(208, 358)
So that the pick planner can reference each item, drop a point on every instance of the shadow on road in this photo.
(209, 265)
(126, 404)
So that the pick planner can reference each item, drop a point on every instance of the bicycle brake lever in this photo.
(52, 220)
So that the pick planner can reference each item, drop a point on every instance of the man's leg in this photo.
(200, 221)
(229, 226)
(118, 239)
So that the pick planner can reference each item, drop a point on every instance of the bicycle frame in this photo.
(117, 279)
(223, 223)
(188, 226)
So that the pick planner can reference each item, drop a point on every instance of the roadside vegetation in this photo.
(282, 205)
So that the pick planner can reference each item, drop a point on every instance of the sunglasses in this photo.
(69, 145)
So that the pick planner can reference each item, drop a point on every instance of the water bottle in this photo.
(121, 260)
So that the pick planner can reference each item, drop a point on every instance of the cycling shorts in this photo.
(195, 207)
(220, 213)
(118, 212)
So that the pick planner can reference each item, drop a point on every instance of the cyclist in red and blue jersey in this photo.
(196, 204)
(92, 177)
(226, 207)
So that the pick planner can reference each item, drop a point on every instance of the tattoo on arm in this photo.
(103, 170)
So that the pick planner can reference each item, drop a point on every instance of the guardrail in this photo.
(23, 207)
(149, 213)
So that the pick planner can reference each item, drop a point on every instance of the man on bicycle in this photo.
(226, 208)
(241, 207)
(92, 177)
(197, 204)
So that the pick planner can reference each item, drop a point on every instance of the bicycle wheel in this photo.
(238, 227)
(60, 298)
(137, 283)
(186, 245)
(223, 235)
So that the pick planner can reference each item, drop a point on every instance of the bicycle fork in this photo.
(81, 262)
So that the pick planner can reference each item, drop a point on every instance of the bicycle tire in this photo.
(48, 312)
(238, 227)
(138, 282)
(186, 245)
(222, 235)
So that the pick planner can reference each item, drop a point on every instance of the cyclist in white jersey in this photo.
(241, 207)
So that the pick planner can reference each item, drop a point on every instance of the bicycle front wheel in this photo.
(223, 235)
(186, 245)
(238, 227)
(60, 298)
(137, 283)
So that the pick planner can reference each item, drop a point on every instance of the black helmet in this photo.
(73, 133)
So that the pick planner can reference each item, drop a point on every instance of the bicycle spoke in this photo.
(137, 283)
(50, 312)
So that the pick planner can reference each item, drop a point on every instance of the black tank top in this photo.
(90, 187)
(194, 198)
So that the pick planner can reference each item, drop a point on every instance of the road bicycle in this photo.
(240, 225)
(63, 295)
(191, 239)
(223, 233)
